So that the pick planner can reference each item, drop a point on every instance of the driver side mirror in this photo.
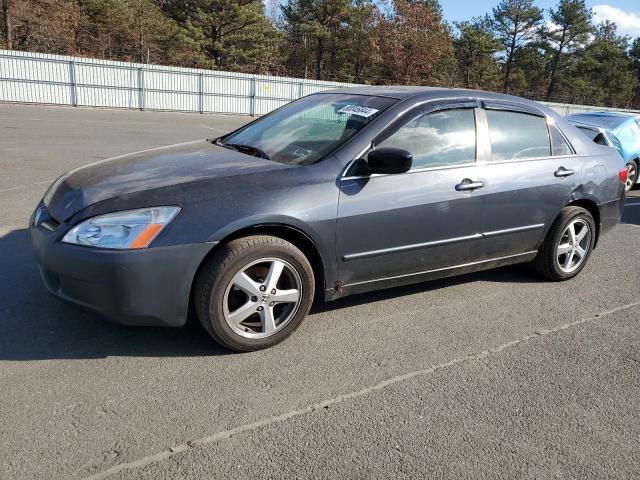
(389, 161)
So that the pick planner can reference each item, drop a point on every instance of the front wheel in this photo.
(568, 245)
(632, 175)
(254, 292)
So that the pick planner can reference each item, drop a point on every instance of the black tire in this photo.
(217, 274)
(633, 177)
(546, 262)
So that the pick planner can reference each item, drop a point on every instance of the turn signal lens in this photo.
(623, 175)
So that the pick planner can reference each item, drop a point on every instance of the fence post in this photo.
(141, 91)
(301, 90)
(201, 92)
(253, 97)
(72, 83)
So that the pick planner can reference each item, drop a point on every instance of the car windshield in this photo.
(308, 129)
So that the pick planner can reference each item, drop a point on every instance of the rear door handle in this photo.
(468, 184)
(563, 172)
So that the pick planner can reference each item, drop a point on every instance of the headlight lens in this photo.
(122, 230)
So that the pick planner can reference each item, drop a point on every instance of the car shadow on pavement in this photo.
(35, 325)
(632, 208)
(510, 274)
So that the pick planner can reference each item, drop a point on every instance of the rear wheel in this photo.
(254, 292)
(568, 245)
(632, 175)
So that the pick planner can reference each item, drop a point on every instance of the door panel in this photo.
(398, 224)
(522, 199)
(526, 185)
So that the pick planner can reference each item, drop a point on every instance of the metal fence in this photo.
(61, 80)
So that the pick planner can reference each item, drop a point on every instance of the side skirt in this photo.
(418, 277)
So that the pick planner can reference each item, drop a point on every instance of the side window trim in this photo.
(512, 107)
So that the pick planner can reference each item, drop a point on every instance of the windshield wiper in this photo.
(248, 149)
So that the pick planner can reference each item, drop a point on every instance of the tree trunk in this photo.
(319, 55)
(554, 69)
(7, 24)
(507, 73)
(554, 66)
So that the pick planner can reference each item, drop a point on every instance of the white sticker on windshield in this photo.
(358, 110)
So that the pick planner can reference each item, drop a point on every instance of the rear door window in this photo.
(517, 136)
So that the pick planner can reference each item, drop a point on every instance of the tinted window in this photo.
(438, 139)
(559, 144)
(517, 135)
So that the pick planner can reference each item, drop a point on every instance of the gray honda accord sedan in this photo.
(337, 193)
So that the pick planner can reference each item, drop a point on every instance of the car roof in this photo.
(403, 92)
(610, 120)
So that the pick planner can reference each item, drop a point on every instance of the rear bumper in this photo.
(610, 214)
(138, 287)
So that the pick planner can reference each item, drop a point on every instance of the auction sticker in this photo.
(358, 110)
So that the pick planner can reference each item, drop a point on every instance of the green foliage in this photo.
(316, 32)
(568, 33)
(236, 34)
(604, 75)
(515, 23)
(475, 51)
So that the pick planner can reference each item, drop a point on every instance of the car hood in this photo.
(156, 168)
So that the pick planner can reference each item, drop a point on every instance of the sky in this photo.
(625, 13)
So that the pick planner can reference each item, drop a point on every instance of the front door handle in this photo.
(563, 172)
(468, 184)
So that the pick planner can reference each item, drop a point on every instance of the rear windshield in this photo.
(308, 129)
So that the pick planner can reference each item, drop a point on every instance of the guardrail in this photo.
(62, 80)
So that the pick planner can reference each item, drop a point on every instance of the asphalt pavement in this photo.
(491, 375)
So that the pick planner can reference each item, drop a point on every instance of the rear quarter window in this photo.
(559, 144)
(517, 136)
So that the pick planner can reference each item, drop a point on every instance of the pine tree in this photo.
(603, 75)
(516, 23)
(313, 31)
(475, 49)
(568, 33)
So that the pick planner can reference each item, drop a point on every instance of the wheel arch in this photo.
(287, 232)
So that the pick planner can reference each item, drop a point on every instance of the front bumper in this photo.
(131, 287)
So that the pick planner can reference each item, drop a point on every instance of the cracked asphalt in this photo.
(490, 375)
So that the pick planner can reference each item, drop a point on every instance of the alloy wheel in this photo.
(574, 245)
(262, 298)
(632, 176)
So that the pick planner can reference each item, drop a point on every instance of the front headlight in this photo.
(122, 230)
